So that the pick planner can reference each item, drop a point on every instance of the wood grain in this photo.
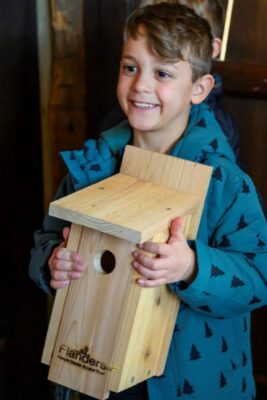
(125, 207)
(107, 332)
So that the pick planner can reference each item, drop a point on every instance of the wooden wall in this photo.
(22, 305)
(103, 44)
(245, 82)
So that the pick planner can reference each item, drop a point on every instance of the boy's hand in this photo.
(173, 261)
(64, 265)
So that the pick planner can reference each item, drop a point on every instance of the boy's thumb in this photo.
(66, 232)
(176, 230)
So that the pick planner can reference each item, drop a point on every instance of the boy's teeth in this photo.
(144, 105)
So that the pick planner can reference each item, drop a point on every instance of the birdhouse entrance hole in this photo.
(104, 262)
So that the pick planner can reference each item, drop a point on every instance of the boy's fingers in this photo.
(66, 255)
(149, 273)
(66, 232)
(176, 230)
(58, 275)
(151, 283)
(155, 248)
(59, 284)
(63, 265)
(161, 249)
(153, 263)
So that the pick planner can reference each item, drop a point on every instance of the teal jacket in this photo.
(210, 353)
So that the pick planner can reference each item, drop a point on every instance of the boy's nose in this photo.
(142, 83)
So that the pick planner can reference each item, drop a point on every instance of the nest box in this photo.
(107, 333)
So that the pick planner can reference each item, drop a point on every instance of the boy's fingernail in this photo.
(141, 282)
(75, 275)
(77, 267)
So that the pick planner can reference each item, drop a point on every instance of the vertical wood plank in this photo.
(45, 60)
(62, 83)
(73, 244)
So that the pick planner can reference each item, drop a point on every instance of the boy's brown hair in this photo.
(174, 32)
(211, 10)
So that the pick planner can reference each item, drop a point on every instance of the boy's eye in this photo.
(129, 69)
(163, 74)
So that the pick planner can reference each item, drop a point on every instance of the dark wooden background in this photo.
(245, 82)
(22, 305)
(82, 91)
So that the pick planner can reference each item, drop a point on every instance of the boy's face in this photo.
(154, 95)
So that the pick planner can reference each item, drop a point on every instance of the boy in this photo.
(220, 277)
(213, 12)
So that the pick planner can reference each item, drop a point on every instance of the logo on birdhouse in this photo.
(82, 358)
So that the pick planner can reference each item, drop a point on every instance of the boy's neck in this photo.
(158, 141)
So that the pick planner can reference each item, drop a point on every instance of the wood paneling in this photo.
(103, 44)
(22, 304)
(243, 79)
(251, 115)
(62, 78)
(245, 85)
(248, 33)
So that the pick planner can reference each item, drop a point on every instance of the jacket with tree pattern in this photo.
(210, 354)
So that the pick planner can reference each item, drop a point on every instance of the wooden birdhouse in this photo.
(107, 333)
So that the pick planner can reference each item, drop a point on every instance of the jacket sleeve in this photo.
(45, 239)
(232, 260)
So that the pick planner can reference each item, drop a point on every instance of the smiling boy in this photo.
(221, 276)
(146, 88)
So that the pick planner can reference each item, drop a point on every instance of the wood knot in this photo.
(147, 354)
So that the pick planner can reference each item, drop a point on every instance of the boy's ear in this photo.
(216, 47)
(202, 88)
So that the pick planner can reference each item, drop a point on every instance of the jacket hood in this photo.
(101, 158)
(203, 137)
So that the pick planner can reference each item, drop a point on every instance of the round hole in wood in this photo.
(104, 262)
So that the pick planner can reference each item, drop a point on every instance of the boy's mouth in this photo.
(144, 106)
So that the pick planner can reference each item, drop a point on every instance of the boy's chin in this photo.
(142, 126)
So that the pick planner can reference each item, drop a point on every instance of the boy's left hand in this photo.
(172, 262)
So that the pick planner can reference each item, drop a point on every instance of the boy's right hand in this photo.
(64, 265)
